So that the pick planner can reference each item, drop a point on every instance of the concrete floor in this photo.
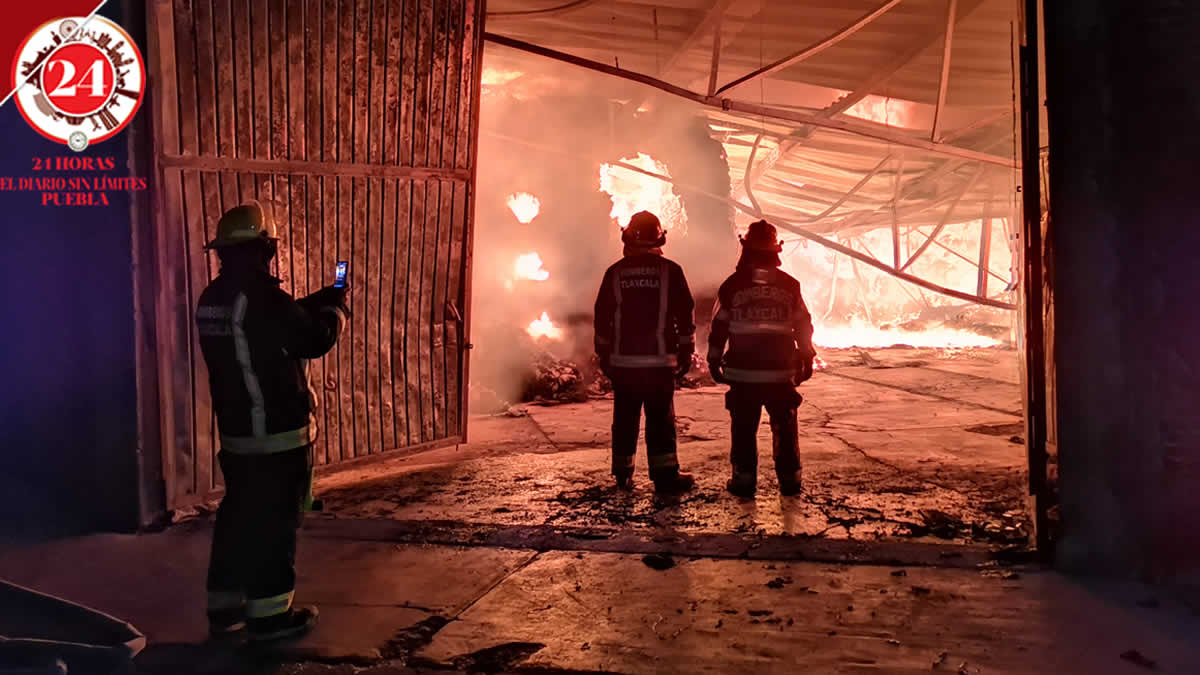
(898, 444)
(515, 553)
(403, 608)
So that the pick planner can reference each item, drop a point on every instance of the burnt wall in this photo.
(1123, 105)
(68, 404)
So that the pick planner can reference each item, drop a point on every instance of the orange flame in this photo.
(631, 192)
(871, 306)
(543, 327)
(529, 266)
(524, 206)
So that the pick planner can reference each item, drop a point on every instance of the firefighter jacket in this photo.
(762, 316)
(256, 340)
(644, 313)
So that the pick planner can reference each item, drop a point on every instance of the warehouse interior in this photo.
(899, 213)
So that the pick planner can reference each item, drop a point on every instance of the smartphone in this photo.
(339, 279)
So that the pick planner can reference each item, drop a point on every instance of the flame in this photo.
(631, 192)
(884, 110)
(819, 363)
(544, 328)
(858, 332)
(524, 206)
(493, 77)
(529, 266)
(871, 305)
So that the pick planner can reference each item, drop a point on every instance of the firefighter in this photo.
(761, 314)
(645, 338)
(256, 340)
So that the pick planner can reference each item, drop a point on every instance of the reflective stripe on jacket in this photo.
(644, 313)
(761, 316)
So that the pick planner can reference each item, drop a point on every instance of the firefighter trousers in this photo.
(254, 541)
(745, 403)
(651, 389)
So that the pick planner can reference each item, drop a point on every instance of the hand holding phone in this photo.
(339, 280)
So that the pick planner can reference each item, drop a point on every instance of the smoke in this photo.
(546, 131)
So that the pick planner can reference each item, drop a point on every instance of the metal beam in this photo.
(868, 130)
(749, 165)
(975, 126)
(858, 186)
(945, 220)
(815, 48)
(716, 59)
(985, 249)
(710, 21)
(895, 220)
(870, 84)
(944, 82)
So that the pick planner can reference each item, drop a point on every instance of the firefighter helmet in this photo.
(244, 223)
(644, 230)
(761, 236)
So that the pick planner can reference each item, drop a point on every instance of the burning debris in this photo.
(529, 266)
(524, 206)
(543, 327)
(554, 380)
(632, 192)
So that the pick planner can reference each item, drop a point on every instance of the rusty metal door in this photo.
(356, 120)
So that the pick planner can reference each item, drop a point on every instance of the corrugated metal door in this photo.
(357, 120)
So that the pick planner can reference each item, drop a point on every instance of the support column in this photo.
(1123, 101)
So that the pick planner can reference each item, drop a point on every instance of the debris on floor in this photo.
(658, 561)
(1136, 657)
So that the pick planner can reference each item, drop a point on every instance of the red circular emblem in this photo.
(79, 81)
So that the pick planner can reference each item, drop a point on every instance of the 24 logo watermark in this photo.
(80, 81)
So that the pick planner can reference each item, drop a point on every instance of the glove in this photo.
(330, 296)
(684, 364)
(804, 370)
(714, 369)
(605, 365)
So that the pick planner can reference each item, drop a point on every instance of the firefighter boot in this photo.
(741, 488)
(291, 624)
(680, 483)
(225, 623)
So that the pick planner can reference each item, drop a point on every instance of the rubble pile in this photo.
(554, 379)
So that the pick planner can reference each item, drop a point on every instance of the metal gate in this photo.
(356, 120)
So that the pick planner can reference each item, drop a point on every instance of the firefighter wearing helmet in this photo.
(256, 340)
(761, 315)
(645, 338)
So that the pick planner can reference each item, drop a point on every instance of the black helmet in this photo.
(644, 230)
(762, 236)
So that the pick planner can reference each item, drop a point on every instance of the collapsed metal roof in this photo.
(837, 116)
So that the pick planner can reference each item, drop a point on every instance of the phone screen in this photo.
(339, 280)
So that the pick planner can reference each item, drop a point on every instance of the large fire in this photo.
(529, 266)
(854, 305)
(543, 327)
(858, 333)
(524, 206)
(632, 192)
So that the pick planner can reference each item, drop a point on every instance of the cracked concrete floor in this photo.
(918, 444)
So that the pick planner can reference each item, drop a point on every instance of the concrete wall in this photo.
(68, 403)
(1124, 103)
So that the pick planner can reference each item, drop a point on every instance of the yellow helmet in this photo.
(244, 223)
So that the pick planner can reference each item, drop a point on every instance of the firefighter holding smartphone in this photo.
(256, 340)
